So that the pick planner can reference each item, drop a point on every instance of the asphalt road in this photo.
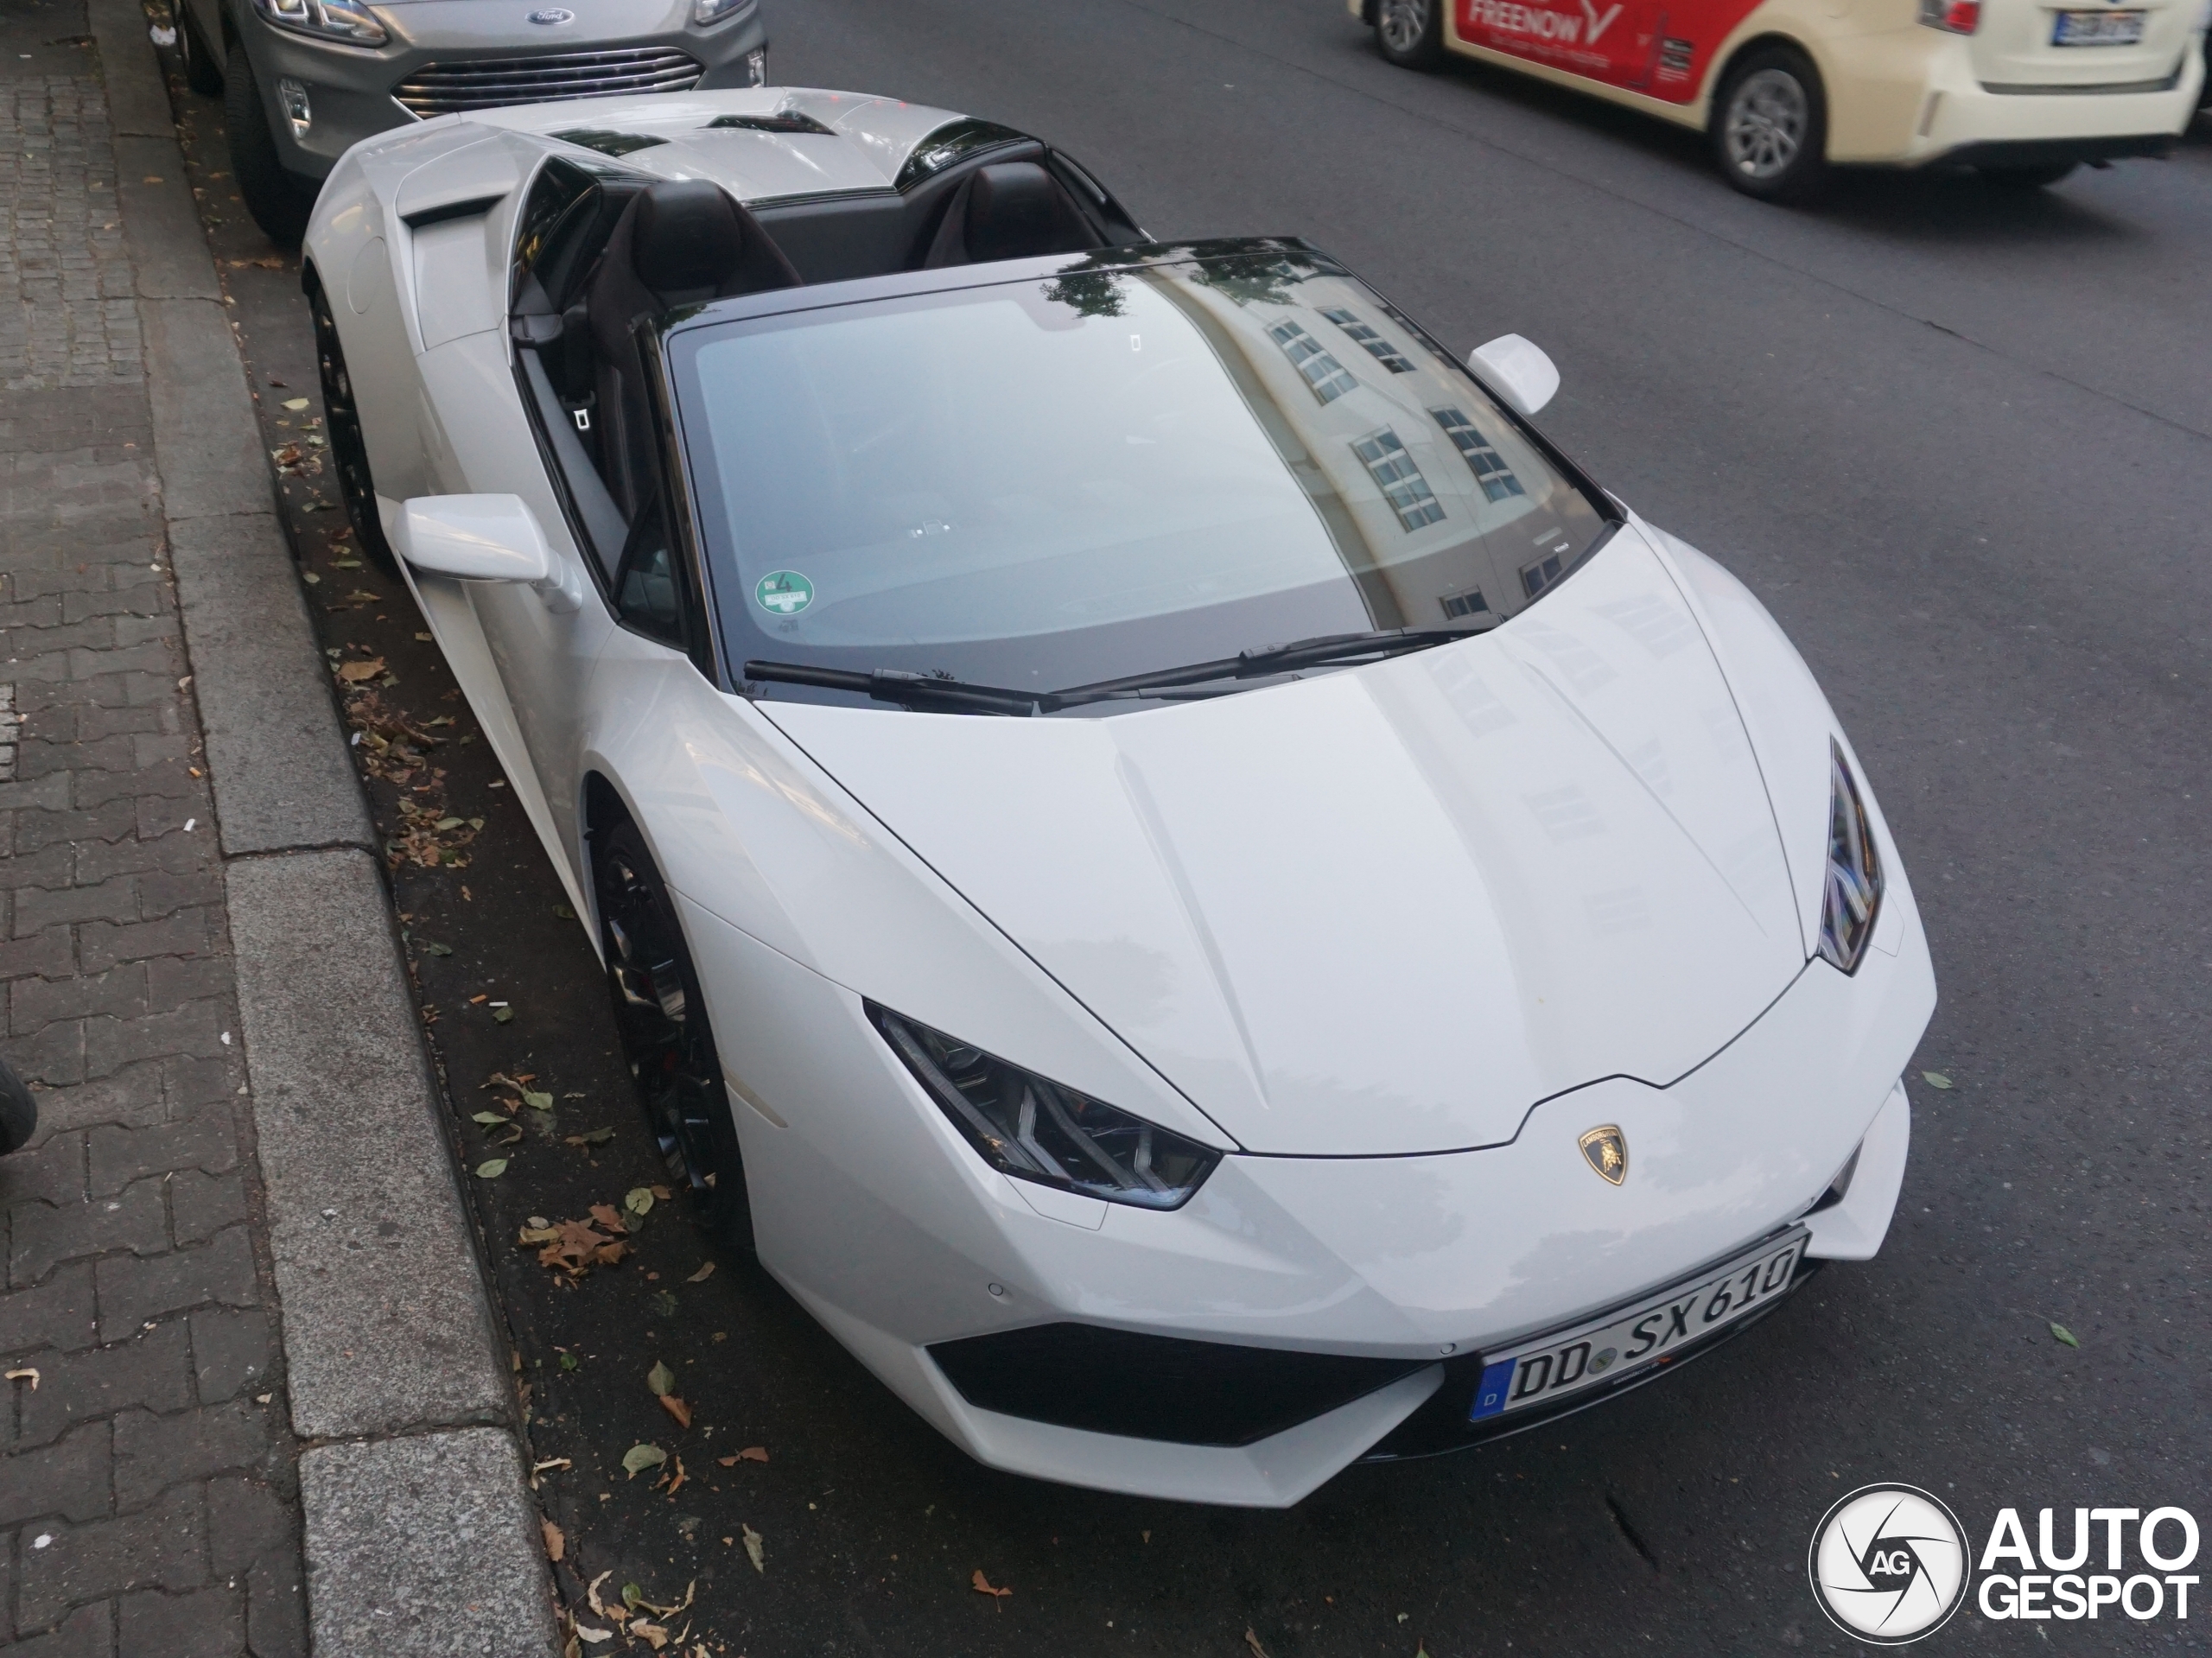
(1959, 442)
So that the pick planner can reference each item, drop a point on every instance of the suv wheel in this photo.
(203, 70)
(279, 198)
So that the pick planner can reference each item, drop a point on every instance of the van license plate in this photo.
(2098, 28)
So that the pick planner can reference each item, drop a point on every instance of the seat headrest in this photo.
(1017, 210)
(686, 236)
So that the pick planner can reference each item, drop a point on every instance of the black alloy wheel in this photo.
(1771, 125)
(665, 1039)
(203, 70)
(341, 426)
(1410, 33)
(279, 198)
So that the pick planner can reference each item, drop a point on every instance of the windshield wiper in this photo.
(1331, 649)
(909, 690)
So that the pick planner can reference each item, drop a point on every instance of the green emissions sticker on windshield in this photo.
(785, 592)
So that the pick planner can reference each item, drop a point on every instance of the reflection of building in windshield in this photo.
(1322, 372)
(1440, 509)
(1373, 343)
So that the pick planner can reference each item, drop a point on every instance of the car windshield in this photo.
(1114, 472)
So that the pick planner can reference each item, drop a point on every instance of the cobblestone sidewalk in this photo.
(148, 1496)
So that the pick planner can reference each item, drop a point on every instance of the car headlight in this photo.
(1851, 897)
(712, 11)
(1032, 1128)
(331, 20)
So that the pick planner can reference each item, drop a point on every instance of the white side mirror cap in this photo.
(474, 537)
(1517, 371)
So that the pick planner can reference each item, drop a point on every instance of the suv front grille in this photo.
(491, 83)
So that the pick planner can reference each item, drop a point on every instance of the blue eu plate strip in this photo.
(1490, 1392)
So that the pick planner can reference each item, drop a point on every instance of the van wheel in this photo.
(1771, 125)
(1410, 33)
(2026, 177)
(279, 198)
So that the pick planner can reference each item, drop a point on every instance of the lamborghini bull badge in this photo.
(1605, 1150)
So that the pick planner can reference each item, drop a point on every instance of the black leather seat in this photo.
(1014, 210)
(678, 243)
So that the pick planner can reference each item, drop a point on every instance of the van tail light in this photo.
(1953, 17)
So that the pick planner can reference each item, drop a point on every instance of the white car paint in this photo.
(1390, 937)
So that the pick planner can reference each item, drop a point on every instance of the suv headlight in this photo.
(1851, 896)
(331, 20)
(1034, 1129)
(712, 11)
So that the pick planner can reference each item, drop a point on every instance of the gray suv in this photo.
(302, 80)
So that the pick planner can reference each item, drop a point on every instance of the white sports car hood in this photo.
(1384, 910)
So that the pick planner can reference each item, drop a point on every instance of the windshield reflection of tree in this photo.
(1091, 293)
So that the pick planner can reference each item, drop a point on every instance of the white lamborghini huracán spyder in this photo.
(1206, 901)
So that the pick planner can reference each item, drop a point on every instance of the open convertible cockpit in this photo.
(601, 248)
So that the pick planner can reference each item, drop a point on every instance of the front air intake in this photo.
(1156, 1387)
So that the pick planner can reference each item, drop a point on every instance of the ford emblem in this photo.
(553, 16)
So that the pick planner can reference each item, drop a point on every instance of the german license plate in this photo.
(2098, 28)
(1558, 1365)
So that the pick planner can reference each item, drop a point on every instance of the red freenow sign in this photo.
(1643, 45)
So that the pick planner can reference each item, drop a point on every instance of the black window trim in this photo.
(695, 592)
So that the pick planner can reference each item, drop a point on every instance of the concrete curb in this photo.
(420, 1533)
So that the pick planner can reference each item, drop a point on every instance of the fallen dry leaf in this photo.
(585, 1632)
(638, 1457)
(753, 1549)
(660, 1378)
(556, 1544)
(357, 673)
(608, 1216)
(1252, 1641)
(656, 1637)
(751, 1453)
(574, 1246)
(676, 1480)
(705, 1272)
(25, 1374)
(982, 1585)
(676, 1409)
(591, 1594)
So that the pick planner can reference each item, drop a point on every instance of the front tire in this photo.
(1410, 33)
(279, 198)
(1771, 126)
(349, 450)
(665, 1039)
(203, 70)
